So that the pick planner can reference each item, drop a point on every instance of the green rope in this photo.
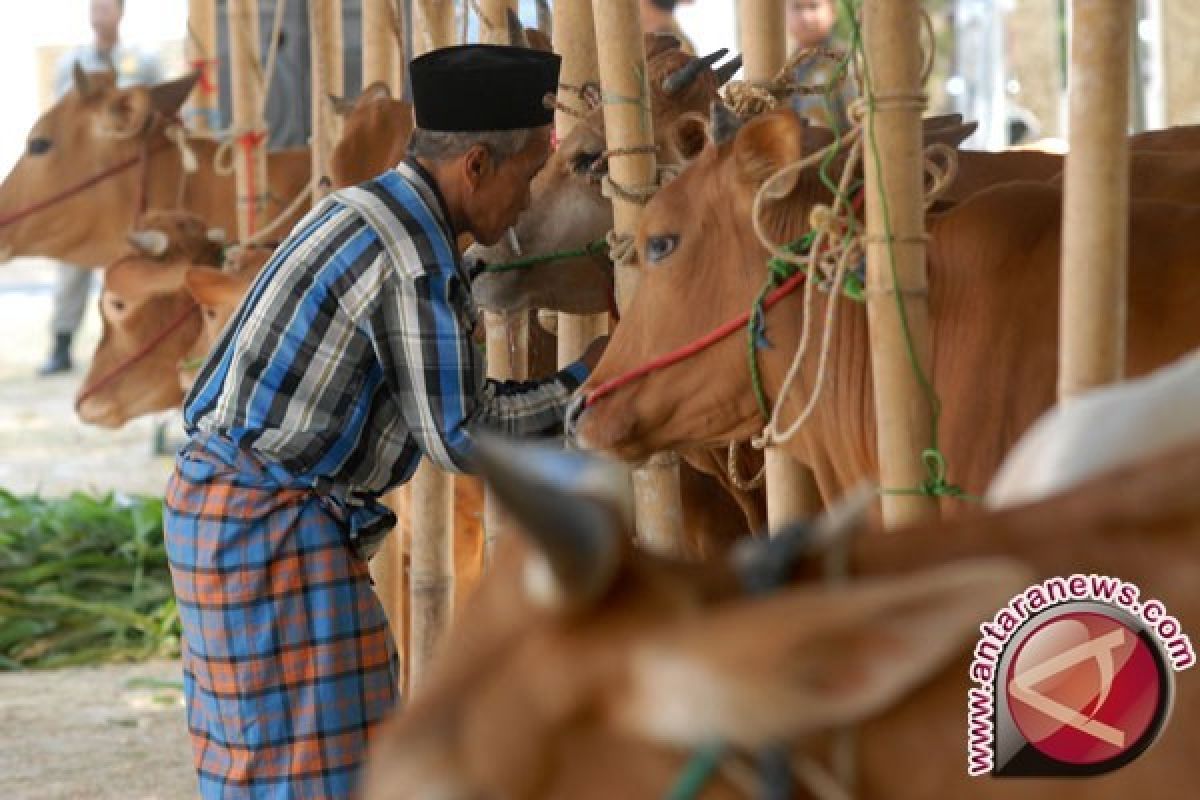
(935, 484)
(700, 769)
(596, 248)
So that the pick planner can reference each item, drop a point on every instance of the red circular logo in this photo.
(1084, 688)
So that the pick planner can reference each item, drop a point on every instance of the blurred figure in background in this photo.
(106, 53)
(810, 23)
(658, 16)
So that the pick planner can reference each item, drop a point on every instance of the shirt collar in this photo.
(426, 186)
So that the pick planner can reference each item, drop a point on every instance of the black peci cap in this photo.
(480, 87)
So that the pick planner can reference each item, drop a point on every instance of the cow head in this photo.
(612, 663)
(567, 209)
(149, 320)
(218, 292)
(375, 132)
(94, 126)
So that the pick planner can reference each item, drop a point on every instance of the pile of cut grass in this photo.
(83, 580)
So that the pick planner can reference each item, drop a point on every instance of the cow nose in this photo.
(575, 409)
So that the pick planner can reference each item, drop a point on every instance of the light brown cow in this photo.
(97, 127)
(587, 670)
(375, 134)
(993, 300)
(149, 320)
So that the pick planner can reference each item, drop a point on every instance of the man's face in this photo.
(500, 193)
(810, 21)
(106, 17)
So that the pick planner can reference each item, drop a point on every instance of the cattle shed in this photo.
(842, 287)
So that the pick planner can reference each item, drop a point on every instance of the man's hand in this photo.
(591, 356)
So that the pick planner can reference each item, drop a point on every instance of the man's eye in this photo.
(659, 247)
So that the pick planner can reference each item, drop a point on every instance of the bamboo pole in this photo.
(1095, 199)
(628, 124)
(791, 488)
(507, 359)
(250, 128)
(202, 56)
(894, 58)
(328, 77)
(493, 24)
(431, 555)
(381, 56)
(575, 39)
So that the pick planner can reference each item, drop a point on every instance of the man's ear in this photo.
(477, 164)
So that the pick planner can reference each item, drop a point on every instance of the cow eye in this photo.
(584, 161)
(659, 247)
(117, 305)
(39, 146)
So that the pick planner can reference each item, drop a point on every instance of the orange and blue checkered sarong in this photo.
(288, 661)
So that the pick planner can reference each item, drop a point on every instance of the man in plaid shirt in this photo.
(350, 358)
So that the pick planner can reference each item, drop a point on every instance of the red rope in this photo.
(206, 85)
(249, 141)
(146, 349)
(689, 350)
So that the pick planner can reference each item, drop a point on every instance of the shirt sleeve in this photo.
(421, 332)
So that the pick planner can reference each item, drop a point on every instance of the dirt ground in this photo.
(90, 734)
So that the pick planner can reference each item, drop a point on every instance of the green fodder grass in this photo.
(83, 580)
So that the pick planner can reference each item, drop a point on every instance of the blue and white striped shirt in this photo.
(351, 355)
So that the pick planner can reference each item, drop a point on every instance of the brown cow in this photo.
(375, 132)
(993, 265)
(96, 127)
(149, 320)
(585, 669)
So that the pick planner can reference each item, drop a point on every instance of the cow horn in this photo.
(574, 509)
(516, 31)
(83, 84)
(216, 235)
(681, 78)
(341, 105)
(150, 242)
(545, 18)
(723, 123)
(728, 69)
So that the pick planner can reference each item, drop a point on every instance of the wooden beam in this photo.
(895, 60)
(250, 127)
(328, 77)
(202, 56)
(1095, 237)
(628, 124)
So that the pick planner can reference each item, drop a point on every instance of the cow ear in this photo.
(768, 143)
(813, 658)
(689, 135)
(209, 286)
(168, 97)
(141, 278)
(575, 509)
(538, 40)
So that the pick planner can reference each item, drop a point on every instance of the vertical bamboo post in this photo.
(381, 56)
(575, 39)
(896, 253)
(431, 557)
(328, 77)
(202, 56)
(507, 334)
(250, 128)
(493, 24)
(1095, 237)
(628, 124)
(791, 488)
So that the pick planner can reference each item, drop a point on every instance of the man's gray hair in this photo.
(443, 146)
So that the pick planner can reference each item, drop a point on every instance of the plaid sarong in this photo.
(288, 661)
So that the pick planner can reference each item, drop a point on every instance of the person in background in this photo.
(810, 23)
(105, 53)
(658, 16)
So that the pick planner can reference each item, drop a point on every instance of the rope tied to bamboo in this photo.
(749, 98)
